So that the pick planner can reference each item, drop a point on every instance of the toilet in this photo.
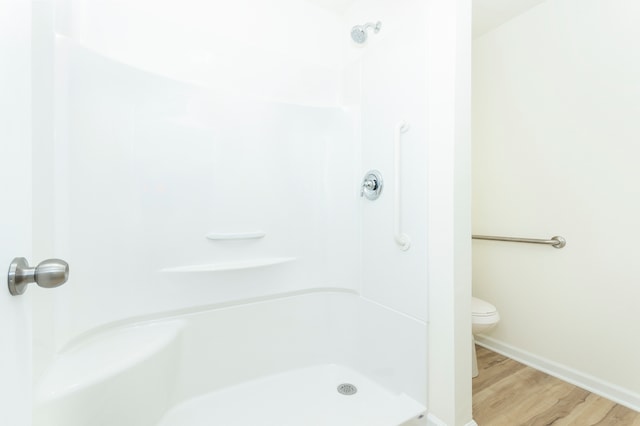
(484, 316)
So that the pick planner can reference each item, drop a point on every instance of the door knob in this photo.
(49, 273)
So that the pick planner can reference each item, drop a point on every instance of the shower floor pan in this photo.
(307, 396)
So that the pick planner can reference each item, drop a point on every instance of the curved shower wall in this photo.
(284, 50)
(154, 166)
(171, 132)
(210, 156)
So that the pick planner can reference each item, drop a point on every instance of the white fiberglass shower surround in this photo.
(206, 191)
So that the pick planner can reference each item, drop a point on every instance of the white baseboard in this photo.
(434, 421)
(607, 390)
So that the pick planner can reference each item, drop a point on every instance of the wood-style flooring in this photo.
(508, 393)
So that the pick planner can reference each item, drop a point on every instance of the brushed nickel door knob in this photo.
(49, 273)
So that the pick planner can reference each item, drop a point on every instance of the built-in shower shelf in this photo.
(232, 266)
(218, 236)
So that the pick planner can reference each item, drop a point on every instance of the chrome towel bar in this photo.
(557, 242)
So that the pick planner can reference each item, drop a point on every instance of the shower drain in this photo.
(347, 389)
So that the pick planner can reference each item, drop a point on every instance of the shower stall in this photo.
(256, 201)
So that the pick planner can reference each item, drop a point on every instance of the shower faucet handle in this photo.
(371, 185)
(49, 273)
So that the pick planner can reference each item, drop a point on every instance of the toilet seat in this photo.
(481, 308)
(483, 314)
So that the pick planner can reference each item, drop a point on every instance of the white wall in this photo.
(15, 219)
(150, 166)
(449, 196)
(556, 101)
(390, 70)
(386, 79)
(236, 151)
(151, 157)
(417, 69)
(223, 117)
(283, 50)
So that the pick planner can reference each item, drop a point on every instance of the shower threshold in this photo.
(308, 396)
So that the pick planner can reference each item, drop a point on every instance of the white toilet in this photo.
(484, 316)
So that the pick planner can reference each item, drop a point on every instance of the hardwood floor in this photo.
(507, 393)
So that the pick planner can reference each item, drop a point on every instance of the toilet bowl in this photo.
(484, 316)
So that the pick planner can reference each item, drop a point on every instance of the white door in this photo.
(15, 208)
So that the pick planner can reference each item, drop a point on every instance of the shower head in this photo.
(359, 32)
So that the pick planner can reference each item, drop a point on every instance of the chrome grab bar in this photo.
(557, 242)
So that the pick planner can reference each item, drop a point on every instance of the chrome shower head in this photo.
(359, 32)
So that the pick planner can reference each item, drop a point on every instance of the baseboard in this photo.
(434, 421)
(607, 390)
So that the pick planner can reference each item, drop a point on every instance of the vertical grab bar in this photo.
(403, 240)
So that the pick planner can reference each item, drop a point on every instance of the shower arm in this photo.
(376, 27)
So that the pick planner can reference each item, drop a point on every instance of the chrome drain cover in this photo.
(347, 389)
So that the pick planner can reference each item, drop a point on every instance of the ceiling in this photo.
(489, 14)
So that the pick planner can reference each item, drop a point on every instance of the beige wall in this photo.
(556, 141)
